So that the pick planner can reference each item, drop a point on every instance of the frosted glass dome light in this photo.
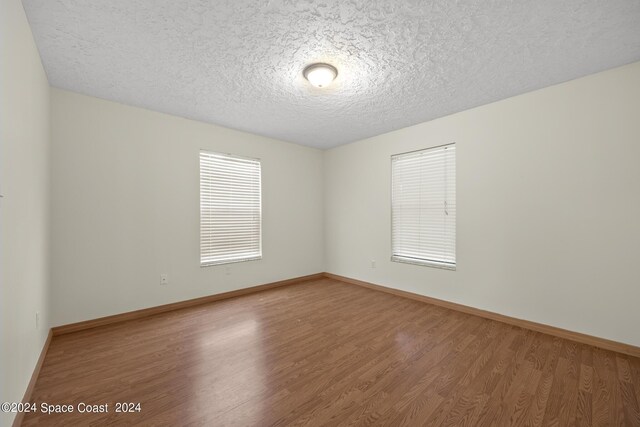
(320, 75)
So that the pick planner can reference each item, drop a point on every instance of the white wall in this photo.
(126, 208)
(548, 199)
(24, 210)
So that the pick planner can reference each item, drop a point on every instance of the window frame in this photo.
(236, 260)
(423, 262)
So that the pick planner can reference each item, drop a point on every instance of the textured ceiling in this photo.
(238, 63)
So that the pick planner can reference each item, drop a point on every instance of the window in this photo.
(423, 207)
(230, 211)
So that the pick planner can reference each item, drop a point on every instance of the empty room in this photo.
(323, 213)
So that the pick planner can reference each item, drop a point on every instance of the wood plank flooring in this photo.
(329, 353)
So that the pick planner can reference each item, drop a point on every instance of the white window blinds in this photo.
(423, 207)
(230, 211)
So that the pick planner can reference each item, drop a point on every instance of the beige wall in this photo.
(24, 209)
(548, 198)
(126, 208)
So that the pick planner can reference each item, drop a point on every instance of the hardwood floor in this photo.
(329, 353)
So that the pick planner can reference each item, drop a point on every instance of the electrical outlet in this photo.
(37, 320)
(373, 263)
(164, 279)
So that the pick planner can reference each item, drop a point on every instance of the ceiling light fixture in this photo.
(320, 75)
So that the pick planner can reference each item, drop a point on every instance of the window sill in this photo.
(231, 261)
(424, 263)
